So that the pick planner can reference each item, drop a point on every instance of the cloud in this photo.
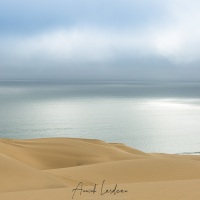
(32, 16)
(77, 44)
(147, 48)
(179, 39)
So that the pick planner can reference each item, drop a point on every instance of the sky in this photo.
(100, 39)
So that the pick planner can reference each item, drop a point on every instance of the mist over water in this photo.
(150, 116)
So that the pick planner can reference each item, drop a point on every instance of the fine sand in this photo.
(51, 169)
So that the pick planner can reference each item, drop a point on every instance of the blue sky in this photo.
(101, 39)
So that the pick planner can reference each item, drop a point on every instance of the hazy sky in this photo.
(100, 39)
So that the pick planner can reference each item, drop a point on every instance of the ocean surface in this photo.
(150, 116)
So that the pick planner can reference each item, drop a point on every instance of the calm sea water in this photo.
(153, 117)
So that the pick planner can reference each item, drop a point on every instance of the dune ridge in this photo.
(50, 168)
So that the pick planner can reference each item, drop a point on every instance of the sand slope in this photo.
(15, 176)
(59, 153)
(129, 171)
(50, 169)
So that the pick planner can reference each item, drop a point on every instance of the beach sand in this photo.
(66, 168)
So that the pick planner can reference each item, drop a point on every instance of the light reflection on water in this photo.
(147, 117)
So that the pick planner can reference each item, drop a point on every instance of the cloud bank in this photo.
(104, 40)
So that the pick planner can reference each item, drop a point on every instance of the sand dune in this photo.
(15, 176)
(166, 190)
(60, 153)
(50, 169)
(129, 149)
(129, 171)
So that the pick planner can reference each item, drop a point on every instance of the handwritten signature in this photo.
(93, 190)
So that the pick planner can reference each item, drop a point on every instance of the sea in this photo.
(146, 115)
